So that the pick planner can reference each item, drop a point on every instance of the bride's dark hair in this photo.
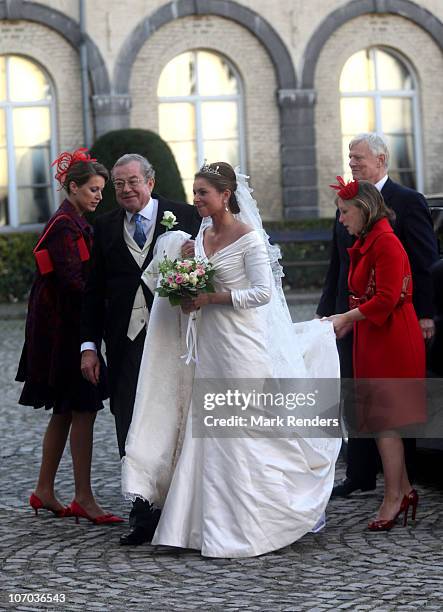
(221, 176)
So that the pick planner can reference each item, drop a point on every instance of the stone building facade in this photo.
(292, 95)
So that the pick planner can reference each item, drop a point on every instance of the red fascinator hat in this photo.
(346, 191)
(65, 160)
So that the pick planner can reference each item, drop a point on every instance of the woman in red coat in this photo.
(388, 342)
(50, 361)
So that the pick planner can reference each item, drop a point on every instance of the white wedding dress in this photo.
(228, 497)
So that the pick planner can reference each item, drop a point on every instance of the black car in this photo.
(435, 350)
(436, 207)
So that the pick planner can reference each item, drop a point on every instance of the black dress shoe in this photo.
(139, 535)
(348, 486)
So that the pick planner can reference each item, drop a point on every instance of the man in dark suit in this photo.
(117, 303)
(368, 160)
(436, 349)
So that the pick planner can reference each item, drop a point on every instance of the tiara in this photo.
(206, 169)
(346, 191)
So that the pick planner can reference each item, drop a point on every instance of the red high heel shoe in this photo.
(413, 502)
(37, 504)
(104, 519)
(387, 524)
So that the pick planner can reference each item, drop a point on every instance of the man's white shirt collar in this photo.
(147, 212)
(381, 182)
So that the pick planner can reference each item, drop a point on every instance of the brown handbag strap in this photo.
(47, 230)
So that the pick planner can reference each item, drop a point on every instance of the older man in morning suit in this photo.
(368, 160)
(117, 302)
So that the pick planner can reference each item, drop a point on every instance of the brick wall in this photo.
(257, 74)
(427, 62)
(110, 22)
(60, 60)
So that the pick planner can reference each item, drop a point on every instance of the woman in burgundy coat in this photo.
(50, 361)
(388, 343)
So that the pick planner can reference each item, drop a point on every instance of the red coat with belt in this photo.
(388, 343)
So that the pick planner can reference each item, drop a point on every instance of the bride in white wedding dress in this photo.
(228, 497)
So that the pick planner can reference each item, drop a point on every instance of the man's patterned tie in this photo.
(139, 234)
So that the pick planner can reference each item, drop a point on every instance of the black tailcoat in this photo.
(115, 278)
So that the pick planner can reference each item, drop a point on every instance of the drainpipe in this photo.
(87, 137)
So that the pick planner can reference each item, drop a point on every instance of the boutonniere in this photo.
(169, 220)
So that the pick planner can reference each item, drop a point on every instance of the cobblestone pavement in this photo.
(342, 568)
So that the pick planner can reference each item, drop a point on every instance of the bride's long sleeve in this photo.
(259, 275)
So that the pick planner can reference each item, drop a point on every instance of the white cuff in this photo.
(88, 346)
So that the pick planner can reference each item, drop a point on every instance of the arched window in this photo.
(26, 134)
(378, 94)
(200, 112)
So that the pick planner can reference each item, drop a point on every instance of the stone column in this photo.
(111, 112)
(298, 153)
(13, 10)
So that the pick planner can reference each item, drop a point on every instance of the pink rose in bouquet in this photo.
(184, 278)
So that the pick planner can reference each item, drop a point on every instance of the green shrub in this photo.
(17, 266)
(323, 223)
(112, 145)
(304, 262)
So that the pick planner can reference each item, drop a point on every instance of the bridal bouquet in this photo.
(184, 278)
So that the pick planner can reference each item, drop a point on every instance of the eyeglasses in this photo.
(119, 185)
